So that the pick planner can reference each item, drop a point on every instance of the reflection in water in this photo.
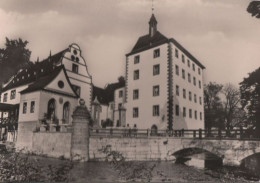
(249, 170)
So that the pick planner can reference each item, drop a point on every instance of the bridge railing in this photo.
(198, 133)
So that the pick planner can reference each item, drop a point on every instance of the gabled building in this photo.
(48, 91)
(164, 84)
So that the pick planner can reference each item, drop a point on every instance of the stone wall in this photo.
(55, 144)
(232, 152)
(133, 149)
(25, 135)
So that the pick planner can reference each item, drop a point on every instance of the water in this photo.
(212, 165)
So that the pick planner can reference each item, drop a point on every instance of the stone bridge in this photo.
(232, 152)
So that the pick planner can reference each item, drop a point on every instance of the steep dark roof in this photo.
(32, 72)
(106, 95)
(101, 95)
(147, 42)
(43, 81)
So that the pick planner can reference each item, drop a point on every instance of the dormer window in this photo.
(34, 73)
(28, 75)
(41, 70)
(22, 77)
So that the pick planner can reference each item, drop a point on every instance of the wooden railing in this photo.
(197, 134)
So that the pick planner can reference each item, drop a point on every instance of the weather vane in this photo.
(152, 7)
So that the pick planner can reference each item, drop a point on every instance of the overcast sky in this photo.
(219, 33)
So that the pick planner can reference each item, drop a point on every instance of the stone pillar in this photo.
(80, 133)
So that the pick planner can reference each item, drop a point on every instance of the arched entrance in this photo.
(51, 109)
(154, 130)
(66, 113)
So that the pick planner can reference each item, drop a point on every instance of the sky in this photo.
(219, 33)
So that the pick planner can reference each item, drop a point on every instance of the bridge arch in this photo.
(193, 150)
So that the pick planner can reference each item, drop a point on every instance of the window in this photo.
(135, 94)
(119, 105)
(135, 112)
(200, 115)
(183, 73)
(199, 84)
(136, 74)
(177, 110)
(184, 93)
(184, 111)
(190, 97)
(24, 107)
(75, 68)
(194, 81)
(156, 90)
(183, 59)
(176, 53)
(156, 53)
(61, 84)
(195, 98)
(120, 94)
(199, 71)
(32, 107)
(195, 114)
(156, 110)
(156, 69)
(137, 59)
(177, 90)
(177, 70)
(51, 110)
(13, 93)
(188, 63)
(193, 67)
(76, 89)
(189, 77)
(66, 113)
(190, 113)
(200, 101)
(5, 97)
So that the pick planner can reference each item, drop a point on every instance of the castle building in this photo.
(164, 84)
(48, 91)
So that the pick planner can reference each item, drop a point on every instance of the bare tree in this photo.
(231, 103)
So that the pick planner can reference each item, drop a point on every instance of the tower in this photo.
(152, 26)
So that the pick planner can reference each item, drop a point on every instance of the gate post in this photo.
(80, 133)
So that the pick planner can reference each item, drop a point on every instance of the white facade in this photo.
(154, 73)
(144, 85)
(81, 78)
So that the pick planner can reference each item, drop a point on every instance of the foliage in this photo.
(214, 116)
(20, 167)
(250, 98)
(13, 57)
(129, 171)
(254, 9)
(231, 104)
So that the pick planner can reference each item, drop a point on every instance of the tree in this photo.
(13, 57)
(121, 79)
(213, 107)
(230, 104)
(250, 98)
(254, 9)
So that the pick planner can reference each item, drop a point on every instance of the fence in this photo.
(199, 134)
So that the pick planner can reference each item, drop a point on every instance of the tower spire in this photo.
(152, 7)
